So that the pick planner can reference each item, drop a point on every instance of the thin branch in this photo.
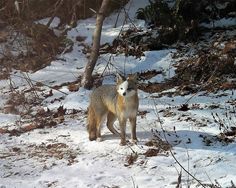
(40, 83)
(134, 186)
(122, 28)
(28, 80)
(172, 154)
(92, 10)
(58, 5)
(205, 84)
(179, 180)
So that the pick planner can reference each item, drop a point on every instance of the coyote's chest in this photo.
(127, 107)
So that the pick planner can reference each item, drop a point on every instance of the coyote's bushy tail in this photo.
(91, 126)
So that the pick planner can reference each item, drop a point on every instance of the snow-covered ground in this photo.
(62, 156)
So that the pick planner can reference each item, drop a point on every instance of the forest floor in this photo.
(186, 124)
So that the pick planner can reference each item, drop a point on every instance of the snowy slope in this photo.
(62, 156)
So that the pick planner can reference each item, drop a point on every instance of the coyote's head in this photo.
(127, 87)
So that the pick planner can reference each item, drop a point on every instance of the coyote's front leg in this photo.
(133, 129)
(122, 132)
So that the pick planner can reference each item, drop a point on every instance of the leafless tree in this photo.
(87, 79)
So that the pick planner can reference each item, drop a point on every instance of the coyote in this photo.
(113, 102)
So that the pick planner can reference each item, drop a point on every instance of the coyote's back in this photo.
(114, 102)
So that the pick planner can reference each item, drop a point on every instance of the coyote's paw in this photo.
(99, 139)
(92, 135)
(123, 142)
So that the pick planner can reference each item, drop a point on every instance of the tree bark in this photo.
(87, 79)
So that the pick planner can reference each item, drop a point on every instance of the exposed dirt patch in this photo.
(55, 150)
(158, 145)
(214, 69)
(38, 118)
(131, 159)
(157, 87)
(31, 48)
(211, 68)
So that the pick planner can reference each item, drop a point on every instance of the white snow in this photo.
(223, 22)
(28, 160)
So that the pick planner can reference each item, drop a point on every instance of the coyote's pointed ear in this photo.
(133, 77)
(119, 78)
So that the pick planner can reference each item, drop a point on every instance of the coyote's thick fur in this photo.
(113, 102)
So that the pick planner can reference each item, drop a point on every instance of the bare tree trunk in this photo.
(87, 80)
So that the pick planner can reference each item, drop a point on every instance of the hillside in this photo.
(186, 122)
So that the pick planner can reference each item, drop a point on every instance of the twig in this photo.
(232, 184)
(188, 168)
(58, 5)
(209, 178)
(134, 186)
(11, 84)
(28, 80)
(92, 10)
(40, 83)
(122, 27)
(107, 65)
(117, 18)
(206, 83)
(179, 180)
(127, 15)
(172, 154)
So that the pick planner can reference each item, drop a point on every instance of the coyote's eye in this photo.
(121, 88)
